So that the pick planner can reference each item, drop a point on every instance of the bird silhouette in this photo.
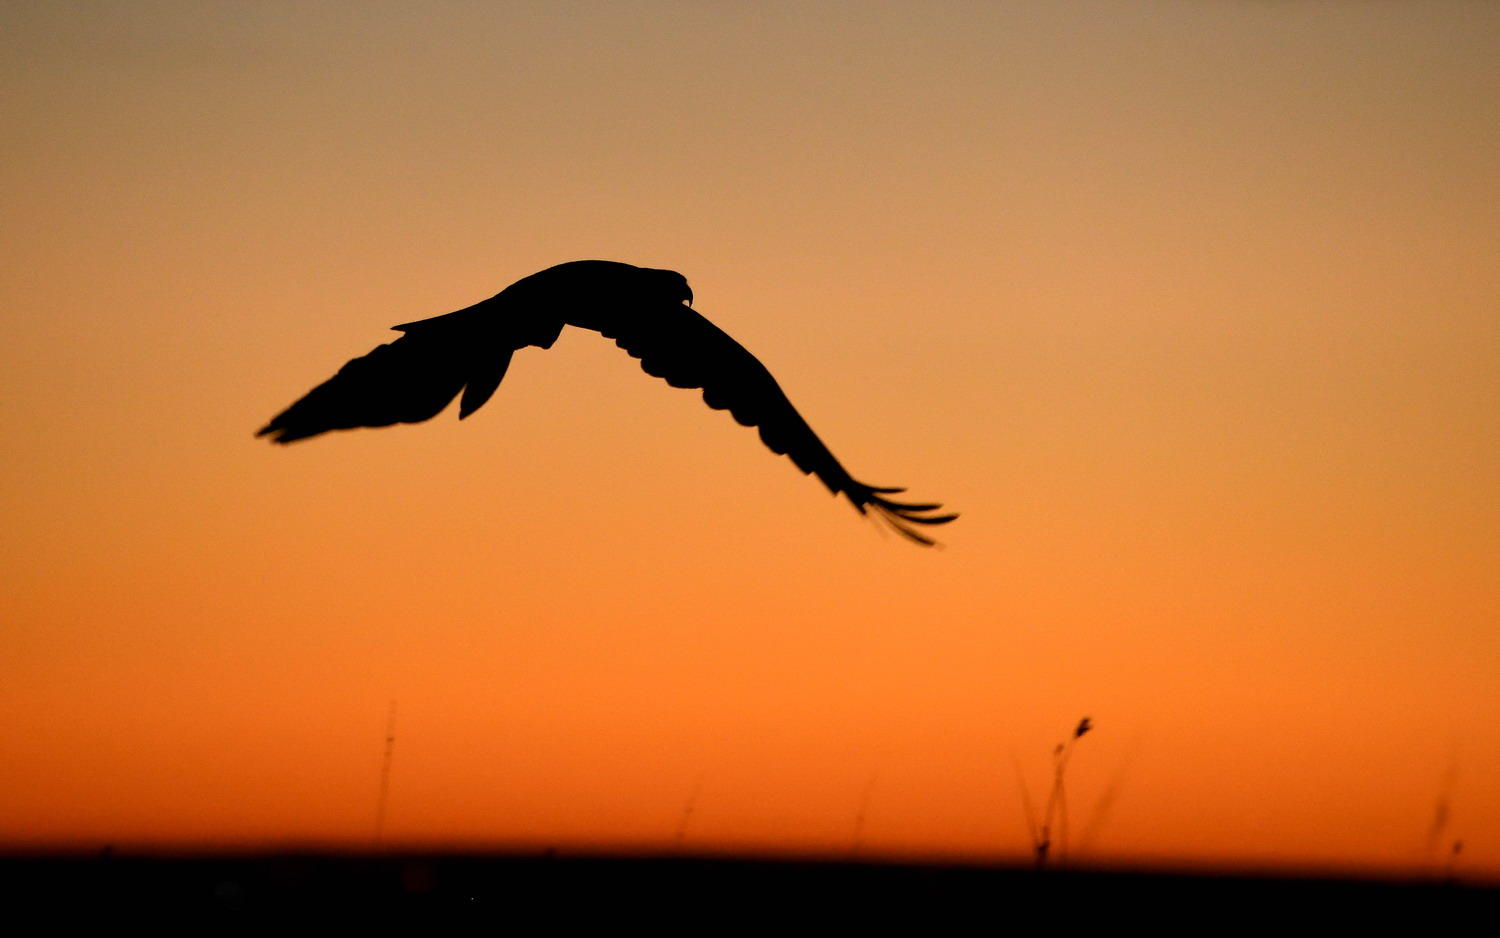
(647, 312)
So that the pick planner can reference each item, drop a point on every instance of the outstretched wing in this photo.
(678, 345)
(407, 381)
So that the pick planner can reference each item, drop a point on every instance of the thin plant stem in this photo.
(687, 814)
(1057, 801)
(385, 776)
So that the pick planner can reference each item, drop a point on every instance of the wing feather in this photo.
(406, 381)
(680, 346)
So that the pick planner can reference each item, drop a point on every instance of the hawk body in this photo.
(647, 313)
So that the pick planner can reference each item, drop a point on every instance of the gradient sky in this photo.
(1191, 308)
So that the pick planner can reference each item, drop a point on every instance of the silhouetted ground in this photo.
(706, 894)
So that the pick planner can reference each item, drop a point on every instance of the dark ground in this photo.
(538, 894)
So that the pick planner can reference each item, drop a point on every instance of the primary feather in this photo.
(643, 309)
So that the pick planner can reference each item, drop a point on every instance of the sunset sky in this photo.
(1192, 310)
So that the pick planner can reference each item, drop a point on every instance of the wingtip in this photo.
(900, 516)
(282, 435)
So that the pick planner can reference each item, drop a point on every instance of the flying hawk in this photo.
(647, 312)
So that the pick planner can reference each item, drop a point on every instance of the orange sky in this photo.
(1190, 308)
